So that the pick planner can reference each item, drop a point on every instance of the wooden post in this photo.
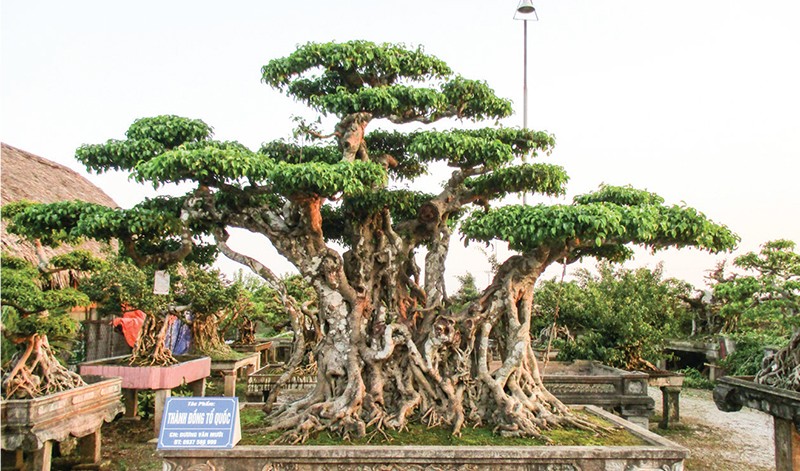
(90, 446)
(160, 399)
(43, 457)
(131, 400)
(198, 387)
(230, 383)
(787, 446)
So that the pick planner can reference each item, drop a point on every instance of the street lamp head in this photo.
(526, 11)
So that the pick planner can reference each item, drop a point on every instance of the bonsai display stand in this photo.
(230, 370)
(731, 393)
(670, 384)
(31, 426)
(161, 379)
(591, 382)
(261, 347)
(261, 382)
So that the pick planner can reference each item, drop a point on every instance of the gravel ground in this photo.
(723, 441)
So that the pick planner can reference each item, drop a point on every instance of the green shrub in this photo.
(692, 378)
(750, 346)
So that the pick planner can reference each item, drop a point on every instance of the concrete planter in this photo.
(149, 377)
(590, 382)
(32, 425)
(161, 379)
(657, 455)
(732, 393)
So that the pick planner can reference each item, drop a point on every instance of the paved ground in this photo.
(723, 441)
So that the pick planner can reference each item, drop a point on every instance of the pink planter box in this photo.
(149, 377)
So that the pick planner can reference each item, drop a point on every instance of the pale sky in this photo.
(696, 101)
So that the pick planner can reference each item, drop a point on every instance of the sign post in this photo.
(200, 423)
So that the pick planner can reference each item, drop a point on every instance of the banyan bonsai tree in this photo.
(390, 349)
(33, 315)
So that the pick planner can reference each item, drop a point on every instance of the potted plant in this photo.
(42, 400)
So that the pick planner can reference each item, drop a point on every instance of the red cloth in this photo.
(131, 323)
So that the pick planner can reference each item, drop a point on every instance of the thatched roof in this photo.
(25, 176)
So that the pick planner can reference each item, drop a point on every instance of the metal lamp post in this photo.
(525, 12)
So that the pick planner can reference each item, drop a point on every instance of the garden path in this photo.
(720, 441)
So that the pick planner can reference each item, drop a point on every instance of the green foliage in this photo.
(598, 229)
(327, 180)
(30, 307)
(746, 359)
(117, 155)
(766, 297)
(469, 148)
(368, 63)
(208, 161)
(265, 305)
(403, 204)
(544, 179)
(81, 260)
(120, 286)
(618, 316)
(356, 76)
(281, 151)
(692, 378)
(206, 290)
(169, 130)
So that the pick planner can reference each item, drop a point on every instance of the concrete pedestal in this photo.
(230, 371)
(262, 348)
(732, 393)
(161, 379)
(30, 427)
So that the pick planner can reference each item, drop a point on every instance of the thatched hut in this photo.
(25, 176)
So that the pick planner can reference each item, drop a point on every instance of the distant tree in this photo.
(264, 306)
(390, 350)
(467, 292)
(618, 316)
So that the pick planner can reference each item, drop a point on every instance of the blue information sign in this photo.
(200, 423)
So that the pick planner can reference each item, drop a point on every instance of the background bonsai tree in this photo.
(263, 306)
(200, 297)
(756, 304)
(33, 315)
(618, 316)
(390, 348)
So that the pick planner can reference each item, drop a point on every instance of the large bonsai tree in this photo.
(390, 349)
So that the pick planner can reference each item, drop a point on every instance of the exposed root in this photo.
(782, 369)
(36, 372)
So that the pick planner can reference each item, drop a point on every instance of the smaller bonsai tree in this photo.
(199, 297)
(32, 314)
(619, 316)
(757, 306)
